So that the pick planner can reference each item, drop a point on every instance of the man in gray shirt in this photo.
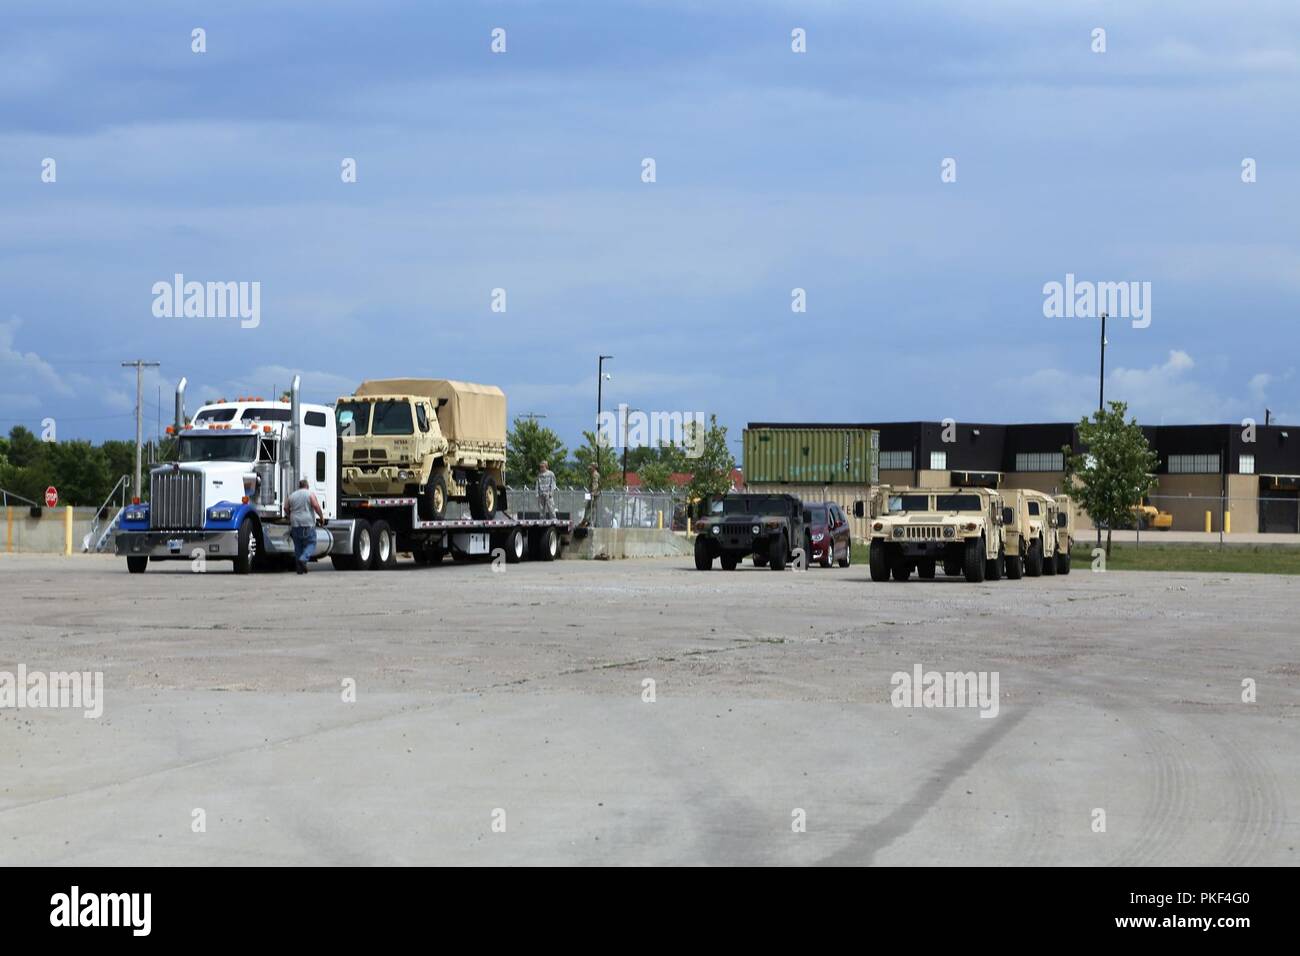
(303, 509)
(546, 491)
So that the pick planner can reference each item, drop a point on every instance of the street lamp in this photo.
(1101, 387)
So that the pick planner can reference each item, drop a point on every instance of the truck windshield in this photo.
(958, 503)
(392, 418)
(909, 503)
(217, 448)
(754, 506)
(356, 414)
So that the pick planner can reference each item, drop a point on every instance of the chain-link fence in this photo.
(616, 507)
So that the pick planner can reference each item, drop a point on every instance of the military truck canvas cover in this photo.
(471, 413)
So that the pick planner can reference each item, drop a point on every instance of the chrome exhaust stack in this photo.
(295, 422)
(180, 404)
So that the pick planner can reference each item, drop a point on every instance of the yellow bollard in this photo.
(1209, 522)
(67, 529)
(1227, 522)
(661, 520)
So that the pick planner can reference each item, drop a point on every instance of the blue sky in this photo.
(775, 170)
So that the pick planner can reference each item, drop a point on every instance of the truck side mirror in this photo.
(858, 510)
(1062, 520)
(1008, 516)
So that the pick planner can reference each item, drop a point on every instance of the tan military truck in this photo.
(918, 529)
(1016, 531)
(1064, 532)
(1047, 552)
(432, 439)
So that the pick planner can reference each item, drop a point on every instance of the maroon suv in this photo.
(829, 530)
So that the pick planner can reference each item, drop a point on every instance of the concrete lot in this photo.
(522, 691)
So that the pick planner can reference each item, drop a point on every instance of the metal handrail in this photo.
(6, 495)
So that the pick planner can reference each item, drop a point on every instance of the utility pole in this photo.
(140, 365)
(1101, 387)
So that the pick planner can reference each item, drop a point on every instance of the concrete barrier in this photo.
(614, 543)
(48, 534)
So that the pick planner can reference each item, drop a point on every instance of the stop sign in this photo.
(51, 496)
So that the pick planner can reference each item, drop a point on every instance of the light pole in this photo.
(140, 365)
(1101, 389)
(601, 376)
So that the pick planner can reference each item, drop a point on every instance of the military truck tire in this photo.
(925, 570)
(433, 503)
(363, 551)
(974, 565)
(483, 498)
(137, 563)
(1063, 563)
(901, 570)
(879, 561)
(385, 545)
(1015, 567)
(993, 569)
(1034, 561)
(247, 543)
(729, 561)
(952, 568)
(703, 556)
(1049, 564)
(777, 552)
(760, 560)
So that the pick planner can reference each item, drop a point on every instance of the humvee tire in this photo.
(952, 568)
(901, 570)
(1034, 560)
(729, 561)
(777, 553)
(703, 558)
(1015, 567)
(760, 560)
(993, 567)
(1049, 563)
(974, 565)
(925, 569)
(879, 561)
(1063, 563)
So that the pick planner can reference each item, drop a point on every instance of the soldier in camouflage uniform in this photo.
(546, 491)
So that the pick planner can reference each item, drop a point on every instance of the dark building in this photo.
(1248, 478)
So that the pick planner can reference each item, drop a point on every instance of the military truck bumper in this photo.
(181, 545)
(389, 480)
(926, 549)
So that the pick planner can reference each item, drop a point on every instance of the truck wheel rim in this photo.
(363, 546)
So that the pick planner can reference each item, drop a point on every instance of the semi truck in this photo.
(223, 499)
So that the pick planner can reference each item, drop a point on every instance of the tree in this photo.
(711, 469)
(656, 475)
(527, 446)
(611, 472)
(80, 472)
(1116, 469)
(25, 449)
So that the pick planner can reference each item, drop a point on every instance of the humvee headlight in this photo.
(716, 529)
(756, 529)
(898, 532)
(949, 531)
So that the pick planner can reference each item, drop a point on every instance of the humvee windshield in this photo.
(957, 502)
(754, 505)
(392, 418)
(217, 448)
(909, 503)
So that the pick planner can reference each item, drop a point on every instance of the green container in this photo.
(828, 456)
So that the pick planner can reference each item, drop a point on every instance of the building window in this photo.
(1193, 464)
(1246, 465)
(895, 461)
(1040, 461)
(938, 461)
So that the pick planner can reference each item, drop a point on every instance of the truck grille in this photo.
(922, 532)
(175, 500)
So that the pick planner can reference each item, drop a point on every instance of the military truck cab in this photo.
(920, 529)
(767, 526)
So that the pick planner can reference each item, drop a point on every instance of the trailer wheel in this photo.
(385, 544)
(247, 539)
(433, 503)
(137, 564)
(483, 498)
(550, 544)
(362, 547)
(514, 546)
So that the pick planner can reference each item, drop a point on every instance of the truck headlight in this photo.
(898, 532)
(756, 529)
(137, 515)
(949, 531)
(716, 529)
(220, 514)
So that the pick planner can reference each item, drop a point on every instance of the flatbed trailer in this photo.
(370, 532)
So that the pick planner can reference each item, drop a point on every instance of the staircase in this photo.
(100, 537)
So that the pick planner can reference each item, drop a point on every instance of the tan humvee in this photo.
(434, 439)
(921, 528)
(1064, 532)
(1016, 528)
(1045, 547)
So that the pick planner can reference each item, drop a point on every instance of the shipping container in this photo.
(831, 456)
